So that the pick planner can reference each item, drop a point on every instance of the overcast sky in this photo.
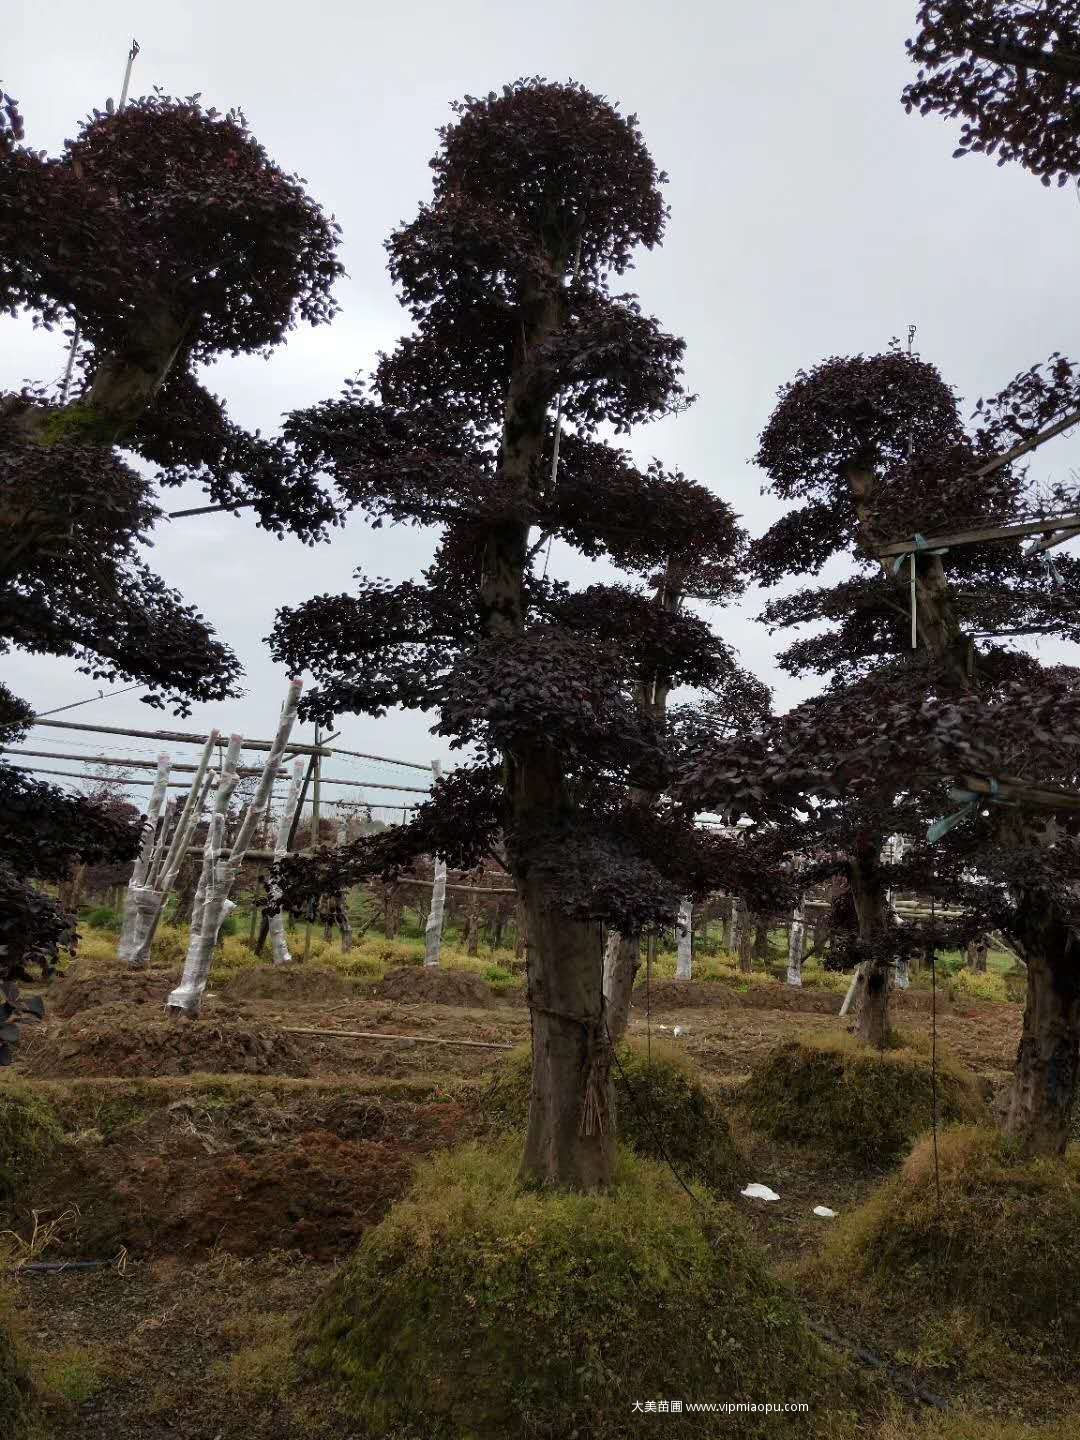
(810, 217)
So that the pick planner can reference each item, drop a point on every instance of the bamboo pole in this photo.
(279, 943)
(434, 926)
(314, 837)
(410, 1039)
(176, 737)
(165, 863)
(220, 870)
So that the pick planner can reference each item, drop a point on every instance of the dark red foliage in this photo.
(166, 205)
(1010, 70)
(560, 162)
(72, 519)
(891, 419)
(539, 194)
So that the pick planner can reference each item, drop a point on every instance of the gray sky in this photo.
(810, 217)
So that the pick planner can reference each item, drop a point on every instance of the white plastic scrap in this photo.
(759, 1192)
(825, 1212)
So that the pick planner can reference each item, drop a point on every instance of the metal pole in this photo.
(127, 74)
(65, 384)
(314, 837)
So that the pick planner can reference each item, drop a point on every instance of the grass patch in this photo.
(74, 1374)
(971, 1426)
(478, 1309)
(29, 1131)
(369, 959)
(659, 1104)
(1000, 1257)
(967, 985)
(828, 1089)
(17, 1398)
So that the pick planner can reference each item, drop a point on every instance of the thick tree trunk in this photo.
(392, 916)
(127, 380)
(761, 943)
(622, 960)
(871, 907)
(796, 946)
(746, 943)
(976, 953)
(684, 931)
(570, 1140)
(1045, 1081)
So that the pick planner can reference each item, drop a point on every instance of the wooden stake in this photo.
(411, 1039)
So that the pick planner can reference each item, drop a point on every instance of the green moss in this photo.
(16, 1392)
(74, 1374)
(827, 1089)
(78, 424)
(29, 1129)
(1000, 1255)
(969, 1426)
(479, 1309)
(662, 1108)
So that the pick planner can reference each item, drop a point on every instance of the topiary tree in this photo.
(878, 449)
(1011, 71)
(542, 192)
(166, 235)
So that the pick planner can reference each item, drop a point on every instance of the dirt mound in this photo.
(582, 1303)
(423, 985)
(311, 1192)
(665, 995)
(993, 1237)
(828, 1089)
(801, 998)
(86, 992)
(301, 984)
(239, 1168)
(113, 1041)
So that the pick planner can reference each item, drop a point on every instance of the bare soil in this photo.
(232, 1163)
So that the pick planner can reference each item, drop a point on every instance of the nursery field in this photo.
(227, 1168)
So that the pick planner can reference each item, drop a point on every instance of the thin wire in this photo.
(40, 714)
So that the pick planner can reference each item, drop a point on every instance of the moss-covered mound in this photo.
(479, 1310)
(29, 1129)
(16, 1394)
(998, 1261)
(662, 1109)
(970, 1426)
(830, 1090)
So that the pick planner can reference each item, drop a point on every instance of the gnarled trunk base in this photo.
(1044, 1084)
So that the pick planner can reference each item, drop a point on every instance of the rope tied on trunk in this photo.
(595, 1106)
